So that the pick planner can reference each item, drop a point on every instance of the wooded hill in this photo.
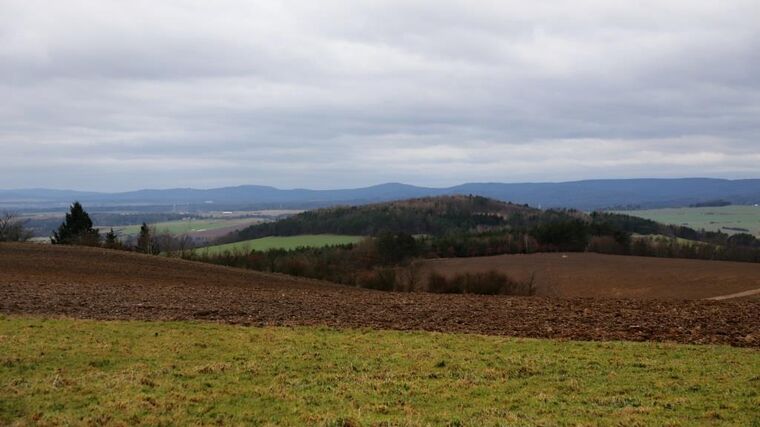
(423, 216)
(466, 216)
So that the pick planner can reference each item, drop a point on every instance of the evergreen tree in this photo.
(112, 241)
(146, 241)
(76, 229)
(143, 239)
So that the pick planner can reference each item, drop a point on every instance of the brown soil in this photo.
(102, 284)
(611, 276)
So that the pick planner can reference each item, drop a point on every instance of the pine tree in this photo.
(112, 241)
(143, 239)
(146, 241)
(76, 229)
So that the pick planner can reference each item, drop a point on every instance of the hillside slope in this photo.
(47, 264)
(429, 215)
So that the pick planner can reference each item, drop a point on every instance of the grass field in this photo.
(187, 226)
(711, 219)
(283, 242)
(56, 371)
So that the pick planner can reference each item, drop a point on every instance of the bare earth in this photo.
(103, 284)
(611, 276)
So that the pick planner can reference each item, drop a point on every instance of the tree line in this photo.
(77, 229)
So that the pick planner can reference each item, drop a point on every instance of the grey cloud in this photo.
(301, 93)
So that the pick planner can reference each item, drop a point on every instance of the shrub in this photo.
(12, 229)
(488, 283)
(438, 284)
(409, 278)
(383, 279)
(606, 245)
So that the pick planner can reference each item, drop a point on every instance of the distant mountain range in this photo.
(587, 195)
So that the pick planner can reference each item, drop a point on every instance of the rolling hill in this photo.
(97, 283)
(427, 215)
(587, 195)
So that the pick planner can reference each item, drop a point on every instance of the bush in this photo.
(606, 245)
(383, 279)
(12, 229)
(488, 283)
(438, 284)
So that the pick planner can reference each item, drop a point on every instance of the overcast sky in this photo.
(120, 95)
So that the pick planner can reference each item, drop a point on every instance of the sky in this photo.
(110, 95)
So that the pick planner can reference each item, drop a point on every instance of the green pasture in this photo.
(282, 242)
(186, 226)
(83, 372)
(711, 219)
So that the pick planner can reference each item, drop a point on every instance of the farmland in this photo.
(65, 371)
(191, 225)
(112, 285)
(729, 219)
(611, 276)
(283, 242)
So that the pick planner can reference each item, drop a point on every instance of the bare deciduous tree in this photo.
(410, 277)
(180, 246)
(12, 228)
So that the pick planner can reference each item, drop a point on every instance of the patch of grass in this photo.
(283, 242)
(186, 226)
(57, 371)
(659, 238)
(709, 218)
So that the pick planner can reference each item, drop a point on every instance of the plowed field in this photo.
(102, 284)
(611, 276)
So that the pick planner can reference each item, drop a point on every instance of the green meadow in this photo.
(710, 219)
(282, 242)
(186, 226)
(81, 372)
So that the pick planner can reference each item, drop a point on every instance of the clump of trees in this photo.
(76, 229)
(147, 241)
(12, 228)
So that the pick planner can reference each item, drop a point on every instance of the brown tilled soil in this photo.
(611, 276)
(101, 284)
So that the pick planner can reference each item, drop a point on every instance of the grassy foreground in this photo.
(89, 372)
(283, 242)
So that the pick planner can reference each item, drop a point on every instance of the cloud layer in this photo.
(112, 95)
